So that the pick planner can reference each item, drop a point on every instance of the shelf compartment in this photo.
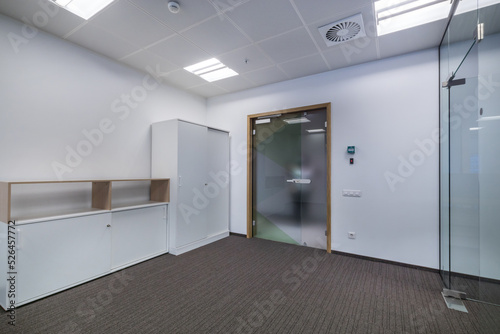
(101, 195)
(59, 199)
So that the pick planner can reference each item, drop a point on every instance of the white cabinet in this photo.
(138, 234)
(196, 159)
(56, 254)
(42, 253)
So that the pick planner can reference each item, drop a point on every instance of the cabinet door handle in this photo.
(108, 225)
(180, 181)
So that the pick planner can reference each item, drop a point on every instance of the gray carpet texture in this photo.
(239, 285)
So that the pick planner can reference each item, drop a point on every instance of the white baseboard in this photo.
(199, 243)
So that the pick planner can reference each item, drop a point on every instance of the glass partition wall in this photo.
(470, 151)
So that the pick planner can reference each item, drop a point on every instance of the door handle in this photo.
(300, 181)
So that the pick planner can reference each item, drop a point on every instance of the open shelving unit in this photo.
(98, 192)
(65, 233)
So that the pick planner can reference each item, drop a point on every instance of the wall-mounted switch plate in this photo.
(351, 193)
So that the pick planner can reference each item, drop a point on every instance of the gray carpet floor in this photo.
(240, 285)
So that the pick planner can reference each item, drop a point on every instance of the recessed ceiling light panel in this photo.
(211, 70)
(83, 8)
(396, 15)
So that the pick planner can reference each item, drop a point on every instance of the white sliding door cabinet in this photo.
(196, 159)
(192, 204)
(54, 255)
(138, 234)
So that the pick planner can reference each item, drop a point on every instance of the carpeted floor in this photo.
(240, 285)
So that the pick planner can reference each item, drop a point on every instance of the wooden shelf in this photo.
(101, 195)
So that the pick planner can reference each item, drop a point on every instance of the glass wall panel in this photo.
(488, 97)
(470, 152)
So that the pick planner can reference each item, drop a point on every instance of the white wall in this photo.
(52, 91)
(389, 110)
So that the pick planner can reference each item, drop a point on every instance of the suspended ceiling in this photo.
(265, 41)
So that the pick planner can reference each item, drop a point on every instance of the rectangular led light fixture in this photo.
(396, 15)
(315, 130)
(211, 70)
(297, 120)
(83, 8)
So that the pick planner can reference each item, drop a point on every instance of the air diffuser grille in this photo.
(342, 31)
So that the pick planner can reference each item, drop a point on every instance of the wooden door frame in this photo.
(250, 157)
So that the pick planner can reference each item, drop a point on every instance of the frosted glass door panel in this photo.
(289, 178)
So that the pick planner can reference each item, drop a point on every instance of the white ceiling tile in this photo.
(262, 19)
(236, 59)
(145, 59)
(207, 90)
(179, 51)
(412, 39)
(304, 66)
(101, 41)
(192, 12)
(312, 11)
(142, 30)
(294, 44)
(234, 84)
(183, 79)
(266, 76)
(216, 36)
(351, 53)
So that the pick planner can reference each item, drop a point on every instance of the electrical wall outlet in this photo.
(351, 235)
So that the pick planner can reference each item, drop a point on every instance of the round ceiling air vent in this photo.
(343, 31)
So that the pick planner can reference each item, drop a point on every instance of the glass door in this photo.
(289, 173)
(470, 153)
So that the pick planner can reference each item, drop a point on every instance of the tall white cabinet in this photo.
(196, 159)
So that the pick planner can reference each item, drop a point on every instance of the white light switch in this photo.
(351, 193)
